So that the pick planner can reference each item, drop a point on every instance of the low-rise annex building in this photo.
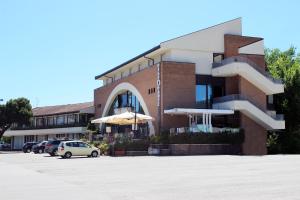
(209, 79)
(53, 122)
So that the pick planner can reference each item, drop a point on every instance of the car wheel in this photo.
(68, 155)
(94, 154)
(28, 150)
(51, 154)
(40, 151)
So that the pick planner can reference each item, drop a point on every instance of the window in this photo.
(60, 135)
(29, 138)
(69, 144)
(81, 144)
(75, 144)
(50, 121)
(218, 57)
(203, 96)
(201, 93)
(71, 119)
(60, 120)
(40, 122)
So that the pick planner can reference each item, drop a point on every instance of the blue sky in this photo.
(50, 51)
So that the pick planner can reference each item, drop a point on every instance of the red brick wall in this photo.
(178, 85)
(255, 137)
(178, 82)
(142, 80)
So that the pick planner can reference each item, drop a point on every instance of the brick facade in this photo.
(255, 135)
(177, 90)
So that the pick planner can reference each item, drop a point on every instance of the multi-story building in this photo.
(208, 79)
(53, 122)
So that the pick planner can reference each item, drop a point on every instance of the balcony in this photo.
(79, 124)
(250, 71)
(268, 119)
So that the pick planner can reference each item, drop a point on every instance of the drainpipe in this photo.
(150, 59)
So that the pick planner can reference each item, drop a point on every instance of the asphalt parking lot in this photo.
(30, 176)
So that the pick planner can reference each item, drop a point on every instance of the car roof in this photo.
(73, 141)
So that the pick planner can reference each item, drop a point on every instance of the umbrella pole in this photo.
(135, 116)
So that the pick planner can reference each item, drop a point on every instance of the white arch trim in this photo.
(124, 87)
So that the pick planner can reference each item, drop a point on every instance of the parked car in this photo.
(40, 147)
(68, 149)
(51, 146)
(4, 146)
(27, 147)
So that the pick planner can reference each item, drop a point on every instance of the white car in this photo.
(67, 149)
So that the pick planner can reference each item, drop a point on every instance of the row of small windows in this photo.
(151, 90)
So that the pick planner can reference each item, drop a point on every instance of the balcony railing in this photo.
(240, 97)
(248, 61)
(82, 124)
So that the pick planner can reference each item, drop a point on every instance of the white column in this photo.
(210, 125)
(207, 122)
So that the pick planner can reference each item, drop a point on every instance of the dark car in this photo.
(27, 147)
(40, 147)
(52, 146)
(4, 146)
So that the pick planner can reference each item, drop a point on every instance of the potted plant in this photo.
(119, 149)
(104, 147)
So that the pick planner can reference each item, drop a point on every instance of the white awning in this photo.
(189, 111)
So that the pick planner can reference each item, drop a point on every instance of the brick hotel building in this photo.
(211, 78)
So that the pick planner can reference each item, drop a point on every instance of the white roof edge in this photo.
(210, 27)
(184, 111)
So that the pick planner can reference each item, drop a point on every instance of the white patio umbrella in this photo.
(125, 118)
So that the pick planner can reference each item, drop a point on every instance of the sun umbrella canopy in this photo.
(124, 119)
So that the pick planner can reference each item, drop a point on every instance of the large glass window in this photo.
(126, 100)
(203, 96)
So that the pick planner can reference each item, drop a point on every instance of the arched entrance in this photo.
(123, 88)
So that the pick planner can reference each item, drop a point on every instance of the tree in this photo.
(14, 111)
(286, 66)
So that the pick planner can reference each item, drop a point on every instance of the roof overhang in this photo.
(192, 111)
(128, 62)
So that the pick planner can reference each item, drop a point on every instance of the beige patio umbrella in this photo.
(125, 118)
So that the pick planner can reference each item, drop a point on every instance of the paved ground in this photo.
(31, 177)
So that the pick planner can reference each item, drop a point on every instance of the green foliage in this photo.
(15, 111)
(162, 138)
(137, 145)
(286, 66)
(104, 148)
(208, 138)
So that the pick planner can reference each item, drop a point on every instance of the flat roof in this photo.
(187, 111)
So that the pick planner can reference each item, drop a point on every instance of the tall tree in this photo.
(286, 66)
(14, 111)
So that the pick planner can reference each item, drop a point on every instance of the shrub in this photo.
(137, 145)
(208, 138)
(104, 147)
